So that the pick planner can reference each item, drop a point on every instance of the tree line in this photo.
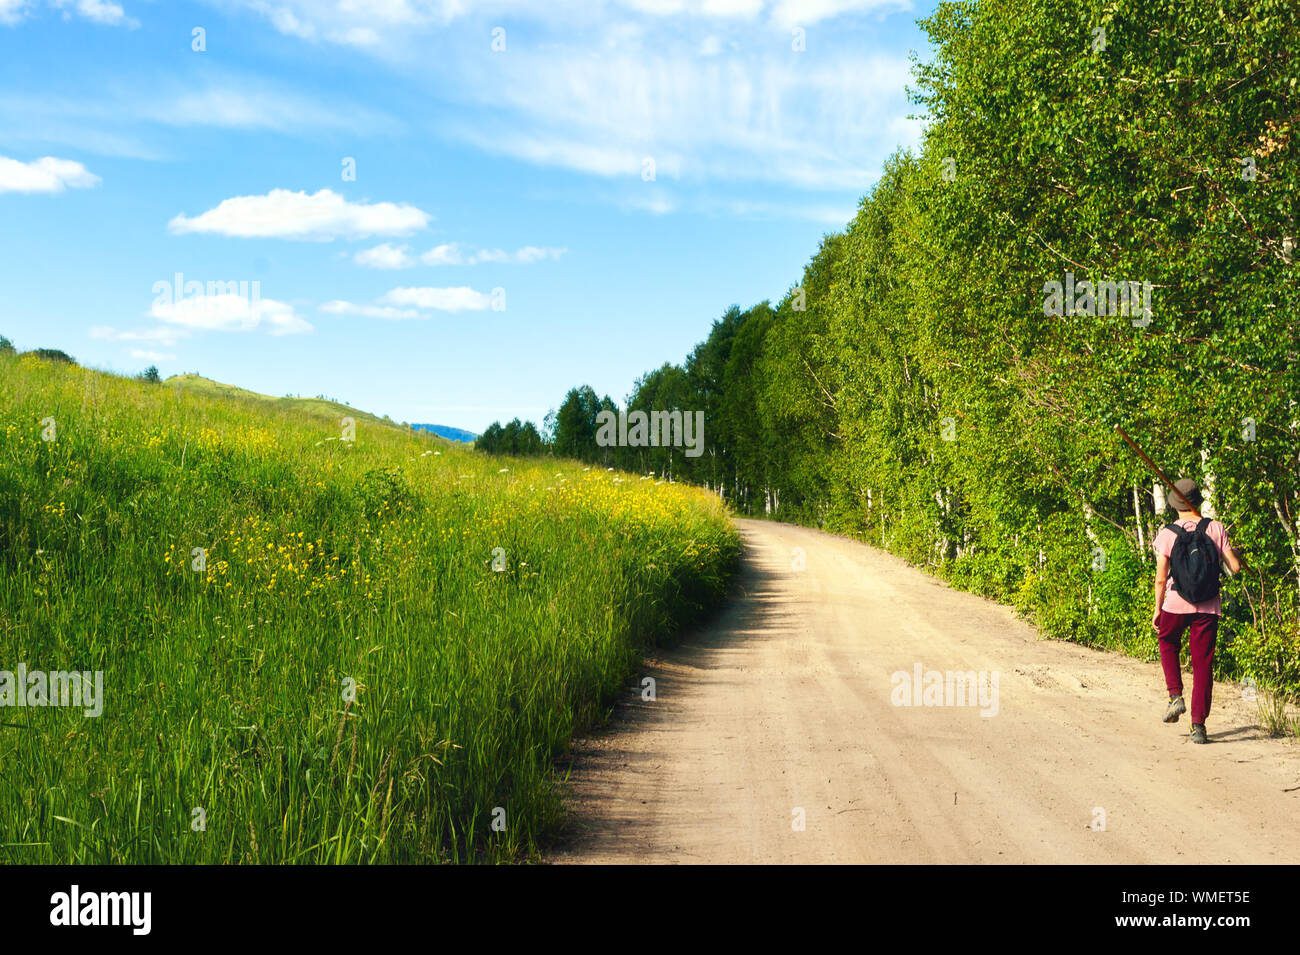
(945, 378)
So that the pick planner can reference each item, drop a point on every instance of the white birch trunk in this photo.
(1207, 486)
(1096, 543)
(1141, 527)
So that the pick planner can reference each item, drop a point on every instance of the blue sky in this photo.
(575, 205)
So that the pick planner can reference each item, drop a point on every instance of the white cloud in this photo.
(148, 355)
(524, 256)
(44, 175)
(281, 214)
(208, 313)
(236, 103)
(98, 11)
(337, 21)
(656, 203)
(11, 11)
(161, 335)
(283, 321)
(448, 254)
(345, 22)
(711, 90)
(133, 118)
(791, 13)
(385, 257)
(230, 313)
(744, 9)
(459, 299)
(532, 253)
(408, 303)
(838, 216)
(360, 36)
(388, 256)
(545, 148)
(338, 307)
(821, 122)
(284, 20)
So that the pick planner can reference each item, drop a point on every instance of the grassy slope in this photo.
(327, 562)
(206, 387)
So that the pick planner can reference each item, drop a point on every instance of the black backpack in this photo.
(1194, 563)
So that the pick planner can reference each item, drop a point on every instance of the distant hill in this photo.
(197, 384)
(445, 431)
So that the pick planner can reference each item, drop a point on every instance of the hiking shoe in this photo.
(1176, 709)
(1198, 733)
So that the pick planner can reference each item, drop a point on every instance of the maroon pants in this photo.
(1204, 631)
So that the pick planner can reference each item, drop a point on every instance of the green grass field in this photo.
(314, 649)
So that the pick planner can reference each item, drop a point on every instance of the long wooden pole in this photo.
(1159, 473)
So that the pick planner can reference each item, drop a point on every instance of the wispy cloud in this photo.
(98, 11)
(234, 102)
(821, 124)
(339, 307)
(837, 216)
(408, 303)
(459, 299)
(656, 202)
(231, 313)
(385, 257)
(11, 11)
(524, 256)
(322, 216)
(791, 13)
(338, 21)
(389, 257)
(149, 355)
(710, 90)
(44, 175)
(159, 335)
(139, 119)
(223, 312)
(447, 254)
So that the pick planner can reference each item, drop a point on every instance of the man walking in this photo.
(1188, 553)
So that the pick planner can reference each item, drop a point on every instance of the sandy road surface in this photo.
(784, 702)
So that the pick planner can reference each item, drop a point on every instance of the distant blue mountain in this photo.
(451, 434)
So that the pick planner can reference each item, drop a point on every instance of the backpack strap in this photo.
(1180, 532)
(1202, 528)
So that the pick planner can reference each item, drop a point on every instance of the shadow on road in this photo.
(603, 756)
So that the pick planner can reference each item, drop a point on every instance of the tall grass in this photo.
(231, 731)
(1277, 717)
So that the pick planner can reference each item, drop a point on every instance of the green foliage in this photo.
(575, 426)
(385, 491)
(517, 439)
(912, 391)
(53, 354)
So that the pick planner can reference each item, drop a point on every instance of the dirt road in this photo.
(787, 706)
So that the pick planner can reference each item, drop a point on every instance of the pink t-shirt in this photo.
(1164, 544)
